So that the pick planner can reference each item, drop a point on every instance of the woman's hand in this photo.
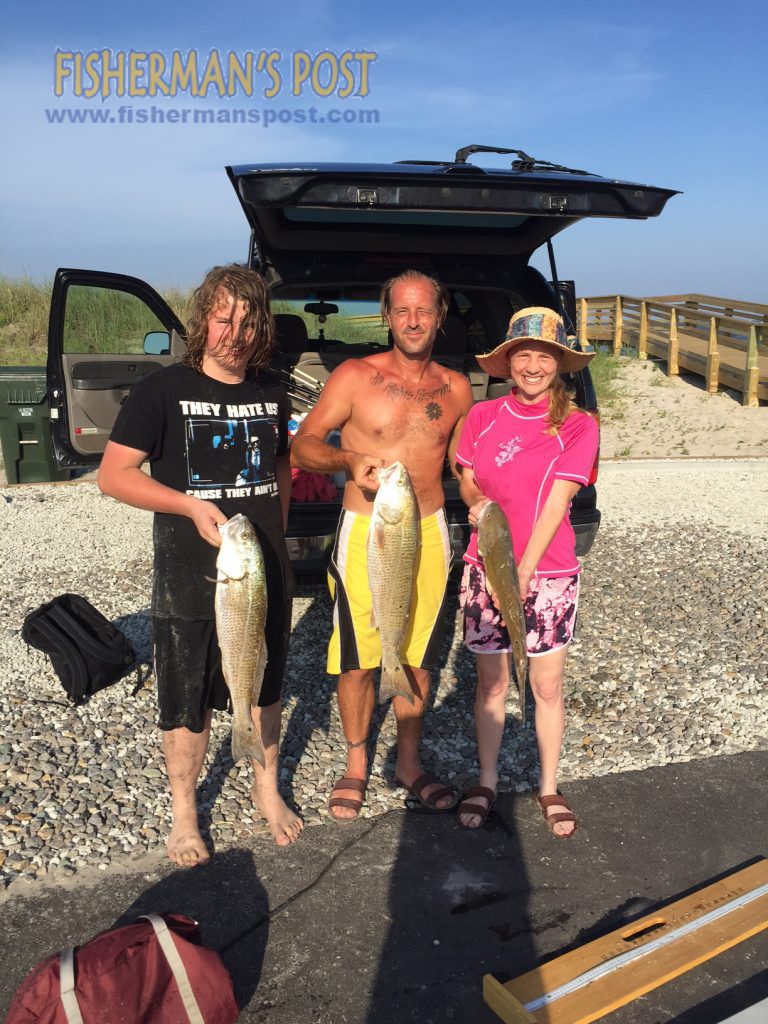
(475, 509)
(524, 577)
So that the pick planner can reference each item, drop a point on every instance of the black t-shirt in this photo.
(218, 442)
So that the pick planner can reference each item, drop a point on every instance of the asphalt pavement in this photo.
(397, 918)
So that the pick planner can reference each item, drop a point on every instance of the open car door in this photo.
(106, 331)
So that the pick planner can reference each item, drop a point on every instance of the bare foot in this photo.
(284, 825)
(185, 845)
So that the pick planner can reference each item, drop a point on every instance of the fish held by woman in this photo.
(241, 614)
(494, 544)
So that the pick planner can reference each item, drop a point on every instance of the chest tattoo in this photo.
(393, 391)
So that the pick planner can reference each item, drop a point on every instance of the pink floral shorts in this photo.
(550, 614)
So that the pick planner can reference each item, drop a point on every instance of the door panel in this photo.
(106, 332)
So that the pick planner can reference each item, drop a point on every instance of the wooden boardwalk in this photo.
(722, 340)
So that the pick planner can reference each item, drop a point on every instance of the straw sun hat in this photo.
(535, 323)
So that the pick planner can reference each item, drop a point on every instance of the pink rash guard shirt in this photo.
(515, 462)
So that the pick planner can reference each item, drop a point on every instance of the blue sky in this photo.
(672, 94)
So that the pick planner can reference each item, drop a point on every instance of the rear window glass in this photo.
(357, 322)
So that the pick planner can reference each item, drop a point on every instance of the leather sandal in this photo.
(416, 801)
(556, 800)
(467, 807)
(353, 804)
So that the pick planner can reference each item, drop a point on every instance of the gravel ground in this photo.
(670, 664)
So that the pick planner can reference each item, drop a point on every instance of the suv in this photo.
(326, 236)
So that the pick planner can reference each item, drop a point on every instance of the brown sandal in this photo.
(417, 801)
(467, 807)
(359, 786)
(556, 800)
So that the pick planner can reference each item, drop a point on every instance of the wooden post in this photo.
(617, 328)
(642, 341)
(672, 366)
(583, 313)
(751, 372)
(713, 358)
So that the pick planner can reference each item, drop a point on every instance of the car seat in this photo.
(290, 338)
(450, 348)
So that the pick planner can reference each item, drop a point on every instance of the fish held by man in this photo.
(393, 543)
(494, 544)
(241, 614)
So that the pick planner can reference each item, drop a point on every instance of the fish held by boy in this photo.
(393, 543)
(241, 614)
(494, 544)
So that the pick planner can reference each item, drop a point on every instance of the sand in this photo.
(655, 416)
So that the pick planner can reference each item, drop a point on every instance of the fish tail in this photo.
(246, 742)
(394, 682)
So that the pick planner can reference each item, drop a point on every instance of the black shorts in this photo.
(188, 669)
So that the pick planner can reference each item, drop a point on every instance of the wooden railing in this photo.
(722, 340)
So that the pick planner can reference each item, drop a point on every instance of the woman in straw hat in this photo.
(530, 452)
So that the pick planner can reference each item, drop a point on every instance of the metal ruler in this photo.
(650, 947)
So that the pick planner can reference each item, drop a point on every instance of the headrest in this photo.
(451, 338)
(290, 332)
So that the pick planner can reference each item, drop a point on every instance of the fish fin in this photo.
(378, 534)
(394, 683)
(258, 672)
(217, 579)
(246, 742)
(521, 672)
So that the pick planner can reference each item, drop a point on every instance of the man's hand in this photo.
(207, 517)
(363, 469)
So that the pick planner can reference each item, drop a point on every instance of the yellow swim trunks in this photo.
(355, 642)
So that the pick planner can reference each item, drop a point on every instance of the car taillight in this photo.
(593, 474)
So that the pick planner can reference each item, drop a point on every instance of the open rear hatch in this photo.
(425, 208)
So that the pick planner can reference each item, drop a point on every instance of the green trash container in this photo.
(24, 431)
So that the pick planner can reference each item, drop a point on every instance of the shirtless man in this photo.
(396, 405)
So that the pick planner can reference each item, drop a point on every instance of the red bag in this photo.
(154, 971)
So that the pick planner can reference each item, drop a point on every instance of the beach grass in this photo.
(102, 320)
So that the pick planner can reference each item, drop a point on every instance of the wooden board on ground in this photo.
(615, 984)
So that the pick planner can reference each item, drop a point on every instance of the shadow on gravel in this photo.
(458, 899)
(307, 654)
(138, 628)
(239, 935)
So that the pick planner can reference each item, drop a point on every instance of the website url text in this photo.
(128, 114)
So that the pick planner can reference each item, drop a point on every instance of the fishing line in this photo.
(271, 914)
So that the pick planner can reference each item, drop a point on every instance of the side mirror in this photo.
(157, 343)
